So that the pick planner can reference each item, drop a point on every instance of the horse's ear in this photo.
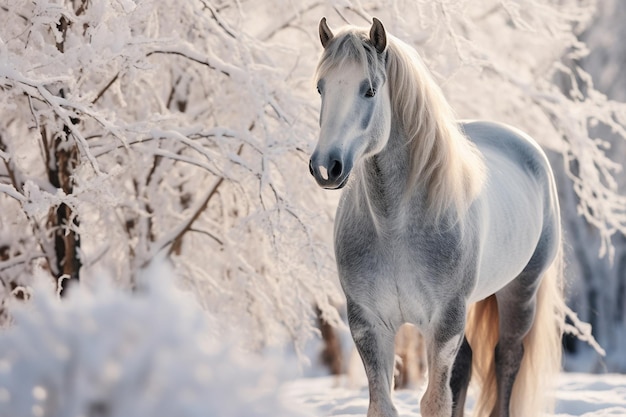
(326, 35)
(378, 37)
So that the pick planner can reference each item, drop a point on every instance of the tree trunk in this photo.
(62, 157)
(62, 221)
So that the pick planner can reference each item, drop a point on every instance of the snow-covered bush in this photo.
(105, 352)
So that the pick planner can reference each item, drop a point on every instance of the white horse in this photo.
(438, 216)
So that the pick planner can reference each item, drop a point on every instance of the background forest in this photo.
(141, 140)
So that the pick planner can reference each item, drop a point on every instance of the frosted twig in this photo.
(582, 331)
(12, 192)
(212, 62)
(177, 233)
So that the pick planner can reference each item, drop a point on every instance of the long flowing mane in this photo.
(442, 159)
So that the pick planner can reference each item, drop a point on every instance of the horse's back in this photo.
(518, 209)
(514, 161)
(509, 143)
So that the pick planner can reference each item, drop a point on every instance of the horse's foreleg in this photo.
(461, 374)
(374, 341)
(443, 345)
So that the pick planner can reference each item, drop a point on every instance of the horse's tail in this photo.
(542, 349)
(482, 334)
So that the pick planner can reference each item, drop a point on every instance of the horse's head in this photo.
(355, 117)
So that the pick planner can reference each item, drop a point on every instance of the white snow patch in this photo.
(588, 395)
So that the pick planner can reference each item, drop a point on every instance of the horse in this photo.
(452, 226)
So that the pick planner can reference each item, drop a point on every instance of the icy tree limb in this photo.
(220, 22)
(105, 88)
(12, 192)
(20, 259)
(174, 237)
(582, 331)
(212, 62)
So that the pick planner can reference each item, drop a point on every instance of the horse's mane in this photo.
(443, 160)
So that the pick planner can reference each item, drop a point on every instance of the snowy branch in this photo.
(12, 192)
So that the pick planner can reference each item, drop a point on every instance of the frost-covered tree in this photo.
(185, 130)
(598, 287)
(135, 131)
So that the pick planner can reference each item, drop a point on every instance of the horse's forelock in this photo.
(349, 46)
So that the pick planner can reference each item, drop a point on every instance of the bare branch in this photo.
(218, 19)
(192, 57)
(186, 226)
(106, 87)
(12, 192)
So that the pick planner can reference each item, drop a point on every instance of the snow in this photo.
(155, 352)
(577, 395)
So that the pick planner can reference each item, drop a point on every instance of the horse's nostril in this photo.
(311, 167)
(335, 169)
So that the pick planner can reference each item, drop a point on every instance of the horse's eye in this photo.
(319, 91)
(371, 92)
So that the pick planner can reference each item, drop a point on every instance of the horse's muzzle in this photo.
(331, 174)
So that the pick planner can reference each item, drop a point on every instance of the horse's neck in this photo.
(385, 177)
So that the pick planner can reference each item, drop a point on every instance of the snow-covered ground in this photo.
(578, 395)
(155, 352)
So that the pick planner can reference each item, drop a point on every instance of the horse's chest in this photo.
(390, 274)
